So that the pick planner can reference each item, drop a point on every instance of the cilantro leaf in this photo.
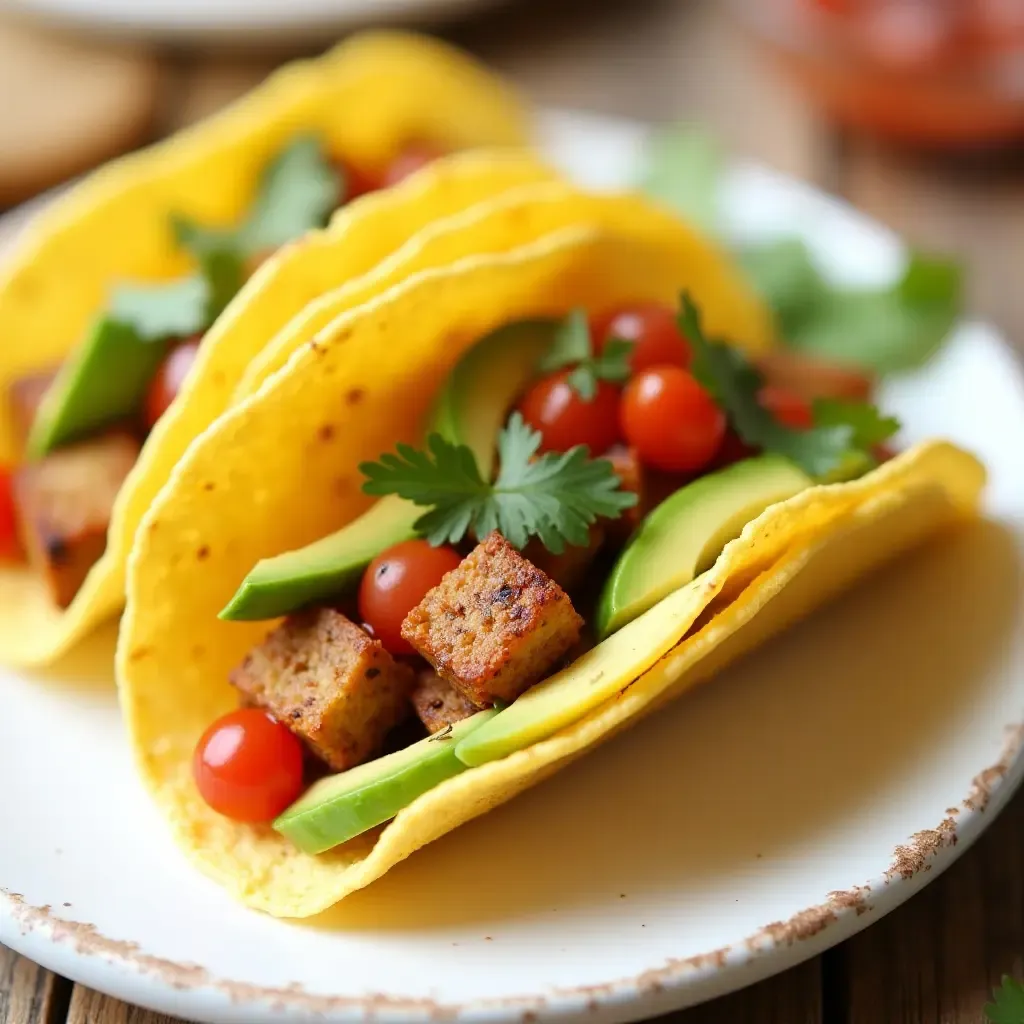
(1008, 1005)
(841, 429)
(296, 193)
(177, 309)
(555, 496)
(683, 168)
(573, 346)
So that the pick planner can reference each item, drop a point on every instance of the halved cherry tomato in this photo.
(565, 419)
(169, 378)
(395, 582)
(671, 420)
(412, 158)
(247, 766)
(657, 340)
(9, 545)
(790, 409)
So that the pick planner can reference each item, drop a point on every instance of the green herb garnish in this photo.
(573, 346)
(296, 193)
(841, 429)
(1008, 1004)
(178, 309)
(886, 330)
(555, 496)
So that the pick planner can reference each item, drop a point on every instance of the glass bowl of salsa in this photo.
(946, 73)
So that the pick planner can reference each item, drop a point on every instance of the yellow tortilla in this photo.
(268, 478)
(367, 97)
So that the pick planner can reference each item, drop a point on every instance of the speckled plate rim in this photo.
(128, 971)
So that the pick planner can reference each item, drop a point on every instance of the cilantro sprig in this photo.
(573, 346)
(1008, 1003)
(297, 192)
(841, 429)
(555, 496)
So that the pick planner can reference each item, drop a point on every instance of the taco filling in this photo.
(572, 475)
(82, 424)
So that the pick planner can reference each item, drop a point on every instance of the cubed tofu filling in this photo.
(437, 703)
(330, 683)
(64, 503)
(495, 625)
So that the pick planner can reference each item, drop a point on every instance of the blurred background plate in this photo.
(237, 21)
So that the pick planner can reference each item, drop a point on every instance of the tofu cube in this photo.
(329, 682)
(626, 463)
(64, 502)
(495, 625)
(569, 568)
(438, 704)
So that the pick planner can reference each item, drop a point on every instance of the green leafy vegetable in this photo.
(177, 309)
(683, 169)
(555, 496)
(297, 192)
(885, 330)
(841, 429)
(1008, 1005)
(573, 346)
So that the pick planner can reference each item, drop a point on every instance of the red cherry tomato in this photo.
(412, 158)
(671, 420)
(247, 766)
(395, 582)
(565, 420)
(9, 546)
(789, 408)
(356, 181)
(169, 378)
(657, 340)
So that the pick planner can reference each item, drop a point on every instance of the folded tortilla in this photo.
(366, 98)
(269, 478)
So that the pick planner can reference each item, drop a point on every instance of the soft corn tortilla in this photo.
(271, 476)
(367, 97)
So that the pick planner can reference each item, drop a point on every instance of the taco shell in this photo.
(269, 478)
(367, 97)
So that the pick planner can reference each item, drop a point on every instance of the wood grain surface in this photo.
(935, 960)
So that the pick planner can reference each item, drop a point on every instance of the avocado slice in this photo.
(595, 677)
(684, 535)
(341, 807)
(470, 410)
(104, 381)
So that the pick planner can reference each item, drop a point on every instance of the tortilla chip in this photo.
(269, 477)
(367, 97)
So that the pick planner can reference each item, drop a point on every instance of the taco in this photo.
(115, 354)
(491, 516)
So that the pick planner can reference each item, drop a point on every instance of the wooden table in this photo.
(935, 960)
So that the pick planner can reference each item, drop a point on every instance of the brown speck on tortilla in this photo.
(354, 396)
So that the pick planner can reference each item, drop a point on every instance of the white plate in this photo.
(200, 21)
(759, 820)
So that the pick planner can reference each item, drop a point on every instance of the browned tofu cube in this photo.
(570, 567)
(333, 685)
(629, 470)
(438, 704)
(25, 394)
(495, 625)
(64, 504)
(812, 377)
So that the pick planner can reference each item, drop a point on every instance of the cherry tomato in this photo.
(247, 766)
(356, 181)
(565, 420)
(789, 408)
(671, 420)
(412, 158)
(169, 378)
(395, 582)
(9, 546)
(657, 340)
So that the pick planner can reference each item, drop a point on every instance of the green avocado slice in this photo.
(684, 535)
(341, 807)
(470, 410)
(101, 384)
